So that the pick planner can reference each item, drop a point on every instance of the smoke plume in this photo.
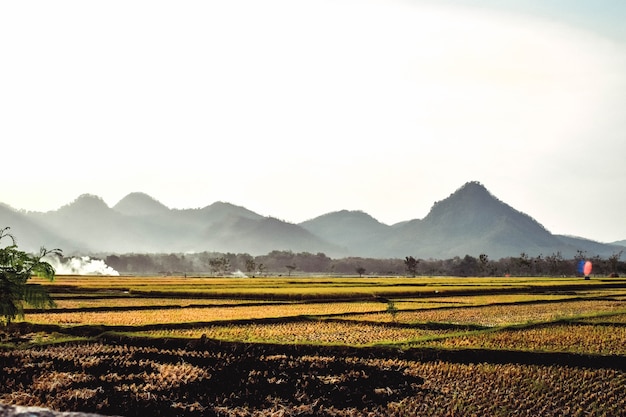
(80, 266)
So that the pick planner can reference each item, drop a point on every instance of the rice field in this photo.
(575, 338)
(237, 380)
(200, 314)
(501, 314)
(316, 332)
(294, 288)
(322, 346)
(479, 316)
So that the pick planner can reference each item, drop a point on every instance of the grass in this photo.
(39, 339)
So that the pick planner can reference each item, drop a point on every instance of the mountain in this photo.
(260, 236)
(590, 247)
(471, 221)
(94, 226)
(139, 223)
(355, 231)
(140, 204)
(220, 211)
(620, 243)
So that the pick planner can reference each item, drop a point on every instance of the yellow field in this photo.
(304, 287)
(589, 339)
(322, 346)
(501, 314)
(305, 332)
(442, 312)
(196, 314)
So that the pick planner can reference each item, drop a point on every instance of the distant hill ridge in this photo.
(140, 204)
(470, 221)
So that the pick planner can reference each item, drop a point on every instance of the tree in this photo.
(250, 266)
(466, 267)
(360, 270)
(525, 263)
(220, 265)
(483, 258)
(554, 262)
(614, 260)
(411, 265)
(16, 268)
(290, 269)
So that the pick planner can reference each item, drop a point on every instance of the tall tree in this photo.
(484, 263)
(250, 266)
(16, 268)
(410, 264)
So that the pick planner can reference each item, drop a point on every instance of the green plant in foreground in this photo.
(16, 268)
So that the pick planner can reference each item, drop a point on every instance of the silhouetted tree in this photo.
(250, 266)
(220, 265)
(411, 264)
(554, 262)
(614, 260)
(484, 262)
(525, 264)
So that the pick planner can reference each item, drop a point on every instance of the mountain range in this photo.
(470, 221)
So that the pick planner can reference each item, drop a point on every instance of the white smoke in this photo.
(80, 266)
(239, 274)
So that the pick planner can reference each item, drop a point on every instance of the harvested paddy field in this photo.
(321, 346)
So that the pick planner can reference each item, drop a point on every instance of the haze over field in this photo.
(298, 108)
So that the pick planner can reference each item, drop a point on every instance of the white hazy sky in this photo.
(296, 108)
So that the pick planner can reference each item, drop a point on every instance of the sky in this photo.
(297, 108)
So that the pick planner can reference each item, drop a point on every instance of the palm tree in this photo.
(16, 268)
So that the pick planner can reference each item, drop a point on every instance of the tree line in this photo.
(291, 263)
